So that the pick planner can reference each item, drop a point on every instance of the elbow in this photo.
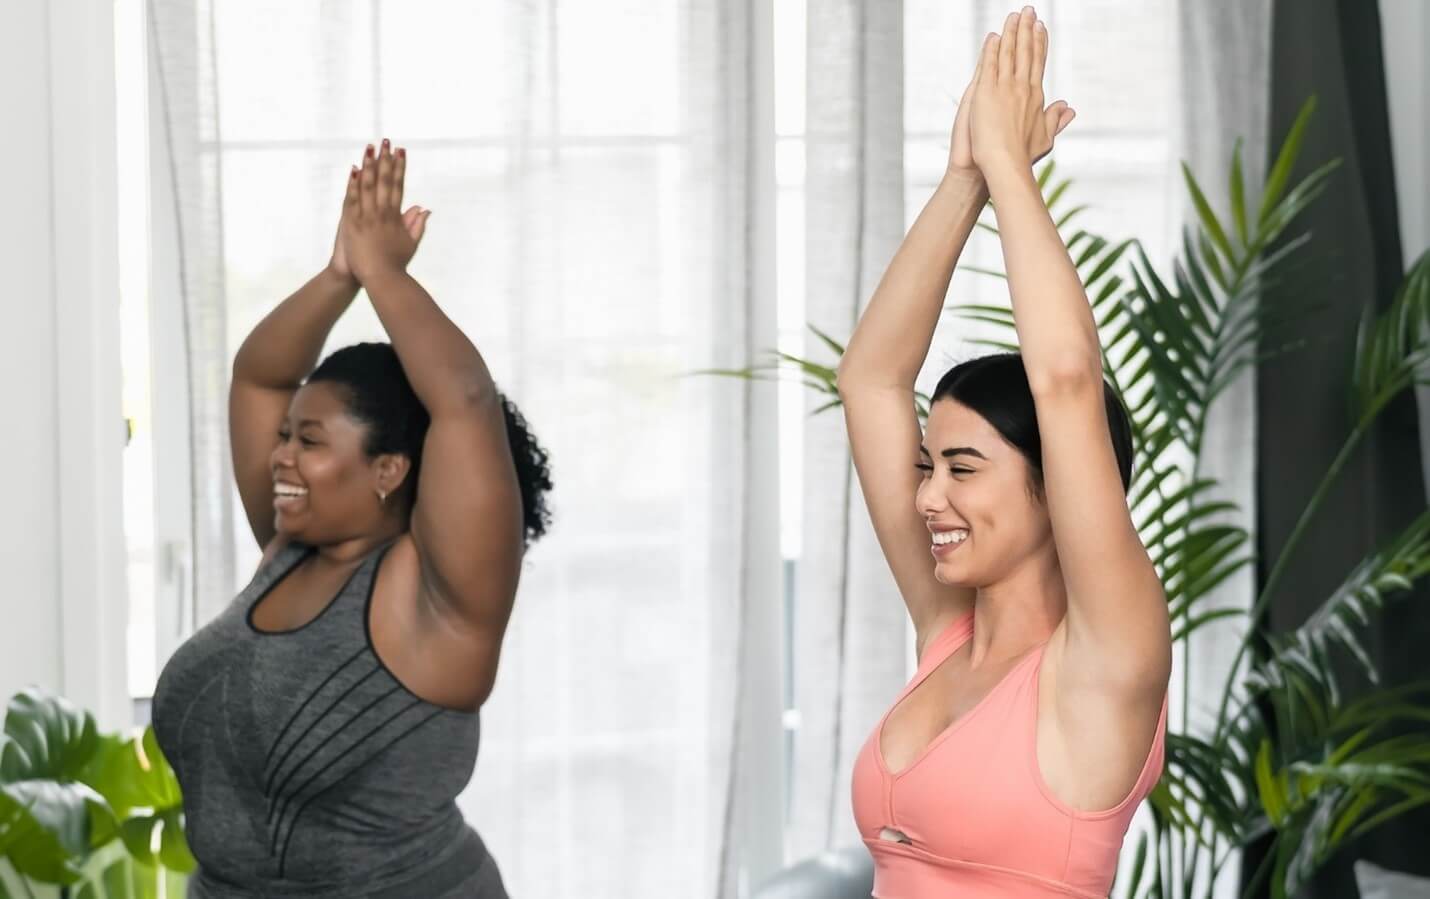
(463, 396)
(851, 379)
(842, 381)
(1067, 376)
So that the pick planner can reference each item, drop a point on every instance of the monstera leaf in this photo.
(50, 820)
(135, 779)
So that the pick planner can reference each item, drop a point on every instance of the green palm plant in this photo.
(100, 815)
(1287, 755)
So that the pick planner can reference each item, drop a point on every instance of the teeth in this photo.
(289, 490)
(942, 537)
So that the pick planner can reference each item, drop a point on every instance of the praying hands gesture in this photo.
(1001, 120)
(372, 230)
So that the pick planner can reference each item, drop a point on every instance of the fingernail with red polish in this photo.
(369, 150)
(402, 152)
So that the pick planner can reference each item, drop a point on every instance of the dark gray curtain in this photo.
(1332, 48)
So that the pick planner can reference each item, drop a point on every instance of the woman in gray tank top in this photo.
(322, 725)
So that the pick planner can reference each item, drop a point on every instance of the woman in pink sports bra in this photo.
(1011, 764)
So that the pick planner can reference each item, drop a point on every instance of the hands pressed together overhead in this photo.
(374, 234)
(1001, 120)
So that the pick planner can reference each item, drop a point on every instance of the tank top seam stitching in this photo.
(934, 858)
(311, 696)
(278, 787)
(293, 824)
(286, 802)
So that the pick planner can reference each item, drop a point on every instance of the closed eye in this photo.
(283, 436)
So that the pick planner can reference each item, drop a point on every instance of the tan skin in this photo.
(1064, 566)
(444, 593)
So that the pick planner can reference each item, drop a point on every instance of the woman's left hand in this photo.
(376, 235)
(1010, 126)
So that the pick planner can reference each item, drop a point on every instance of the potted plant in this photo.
(98, 815)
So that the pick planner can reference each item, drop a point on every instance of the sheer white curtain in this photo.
(1225, 91)
(591, 169)
(883, 81)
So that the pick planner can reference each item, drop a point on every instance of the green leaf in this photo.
(1236, 188)
(34, 850)
(49, 821)
(1286, 159)
(46, 737)
(1269, 786)
(134, 773)
(1210, 223)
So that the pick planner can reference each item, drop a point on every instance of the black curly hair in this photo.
(379, 395)
(996, 387)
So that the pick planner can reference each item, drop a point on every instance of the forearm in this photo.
(284, 347)
(1056, 328)
(443, 366)
(892, 338)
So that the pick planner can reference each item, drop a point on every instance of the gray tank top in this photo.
(308, 769)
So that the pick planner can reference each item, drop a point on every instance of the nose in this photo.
(282, 455)
(929, 499)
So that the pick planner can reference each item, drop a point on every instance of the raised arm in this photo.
(880, 365)
(467, 522)
(1117, 624)
(270, 366)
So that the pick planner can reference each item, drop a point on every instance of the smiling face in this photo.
(325, 484)
(978, 499)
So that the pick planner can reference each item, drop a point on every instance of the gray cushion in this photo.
(836, 874)
(1375, 882)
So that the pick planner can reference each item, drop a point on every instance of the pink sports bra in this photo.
(979, 821)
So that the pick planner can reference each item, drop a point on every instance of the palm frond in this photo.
(1307, 651)
(1393, 350)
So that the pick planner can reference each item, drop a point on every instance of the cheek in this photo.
(321, 468)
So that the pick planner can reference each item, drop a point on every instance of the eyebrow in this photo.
(955, 451)
(310, 421)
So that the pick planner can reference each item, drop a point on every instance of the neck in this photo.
(350, 550)
(1019, 612)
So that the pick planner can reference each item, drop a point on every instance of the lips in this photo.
(287, 497)
(288, 503)
(944, 548)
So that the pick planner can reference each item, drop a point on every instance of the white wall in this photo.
(62, 606)
(1405, 31)
(29, 553)
(1405, 26)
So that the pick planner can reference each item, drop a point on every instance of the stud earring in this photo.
(382, 497)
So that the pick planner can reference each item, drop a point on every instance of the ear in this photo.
(391, 470)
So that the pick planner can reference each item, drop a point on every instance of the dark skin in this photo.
(445, 590)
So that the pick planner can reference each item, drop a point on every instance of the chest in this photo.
(300, 597)
(938, 705)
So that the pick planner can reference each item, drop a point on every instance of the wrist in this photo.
(380, 274)
(968, 181)
(1006, 170)
(339, 280)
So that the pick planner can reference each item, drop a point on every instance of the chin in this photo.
(287, 531)
(942, 574)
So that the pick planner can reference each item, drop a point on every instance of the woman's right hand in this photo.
(961, 163)
(1009, 124)
(338, 264)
